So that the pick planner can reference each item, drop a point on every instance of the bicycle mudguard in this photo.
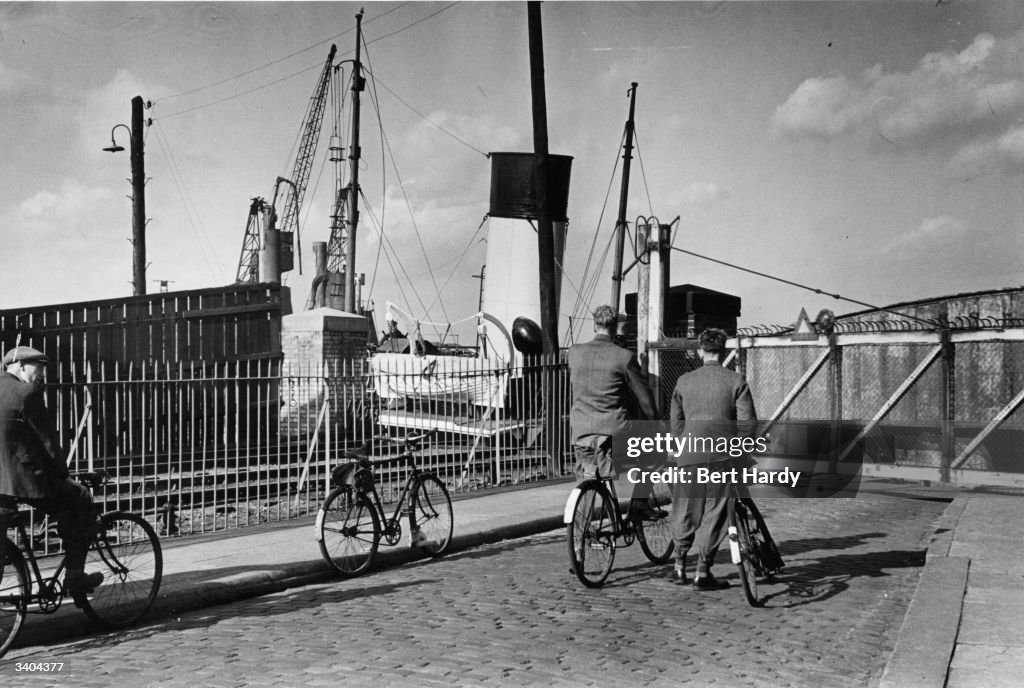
(734, 545)
(319, 524)
(570, 505)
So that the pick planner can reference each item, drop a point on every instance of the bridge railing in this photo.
(942, 405)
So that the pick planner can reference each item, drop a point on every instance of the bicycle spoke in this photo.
(591, 535)
(14, 593)
(127, 553)
(430, 514)
(348, 529)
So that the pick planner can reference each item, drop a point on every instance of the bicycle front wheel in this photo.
(591, 534)
(14, 593)
(655, 535)
(430, 516)
(747, 552)
(127, 552)
(348, 529)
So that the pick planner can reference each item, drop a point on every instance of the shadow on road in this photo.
(816, 581)
(803, 582)
(261, 607)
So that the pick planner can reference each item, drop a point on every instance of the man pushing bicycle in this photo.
(708, 405)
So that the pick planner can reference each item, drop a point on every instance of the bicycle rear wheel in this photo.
(348, 529)
(740, 537)
(430, 515)
(768, 560)
(655, 536)
(591, 534)
(14, 593)
(127, 552)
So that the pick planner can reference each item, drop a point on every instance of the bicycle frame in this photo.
(39, 591)
(406, 458)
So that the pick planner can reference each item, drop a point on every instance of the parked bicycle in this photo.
(352, 522)
(594, 529)
(125, 549)
(751, 546)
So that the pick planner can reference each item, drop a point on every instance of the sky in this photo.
(874, 150)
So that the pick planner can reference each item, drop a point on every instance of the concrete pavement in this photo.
(964, 626)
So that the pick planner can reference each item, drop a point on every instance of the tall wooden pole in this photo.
(138, 200)
(545, 231)
(353, 190)
(620, 224)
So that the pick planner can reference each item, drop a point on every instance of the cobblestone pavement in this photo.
(511, 614)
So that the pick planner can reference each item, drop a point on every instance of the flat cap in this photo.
(24, 354)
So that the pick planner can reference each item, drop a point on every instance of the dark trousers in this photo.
(699, 510)
(595, 459)
(71, 504)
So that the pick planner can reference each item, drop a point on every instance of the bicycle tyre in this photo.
(430, 514)
(14, 593)
(591, 534)
(768, 560)
(127, 552)
(348, 530)
(655, 536)
(748, 554)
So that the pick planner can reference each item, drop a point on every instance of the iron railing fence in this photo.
(199, 448)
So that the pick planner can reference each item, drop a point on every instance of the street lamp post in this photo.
(138, 194)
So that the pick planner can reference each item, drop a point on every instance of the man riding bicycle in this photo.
(32, 465)
(608, 391)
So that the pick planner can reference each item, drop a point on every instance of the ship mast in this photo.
(358, 84)
(620, 224)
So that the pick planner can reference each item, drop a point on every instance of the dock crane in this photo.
(263, 216)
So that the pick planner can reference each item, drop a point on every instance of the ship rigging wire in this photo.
(428, 120)
(280, 59)
(799, 285)
(294, 74)
(189, 205)
(589, 283)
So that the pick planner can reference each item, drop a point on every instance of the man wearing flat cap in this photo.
(32, 464)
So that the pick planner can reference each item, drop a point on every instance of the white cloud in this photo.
(106, 106)
(943, 228)
(822, 107)
(72, 205)
(946, 95)
(63, 232)
(1000, 154)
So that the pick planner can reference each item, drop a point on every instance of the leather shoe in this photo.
(678, 576)
(81, 583)
(709, 582)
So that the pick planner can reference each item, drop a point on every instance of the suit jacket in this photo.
(608, 390)
(31, 458)
(711, 403)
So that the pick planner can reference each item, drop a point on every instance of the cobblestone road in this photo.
(511, 614)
